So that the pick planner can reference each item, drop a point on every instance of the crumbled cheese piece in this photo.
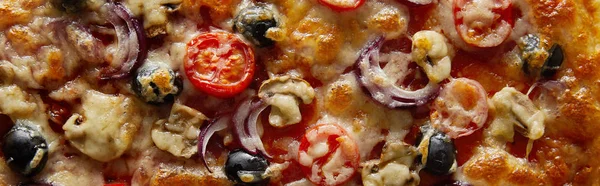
(284, 94)
(392, 168)
(179, 134)
(105, 127)
(20, 102)
(430, 51)
(514, 108)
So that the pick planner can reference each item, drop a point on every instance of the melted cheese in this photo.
(105, 127)
(335, 170)
(313, 41)
(179, 134)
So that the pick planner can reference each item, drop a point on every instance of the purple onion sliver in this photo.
(132, 46)
(239, 125)
(251, 126)
(207, 132)
(389, 95)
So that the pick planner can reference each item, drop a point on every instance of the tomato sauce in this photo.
(466, 145)
(492, 75)
(418, 18)
(272, 135)
(518, 147)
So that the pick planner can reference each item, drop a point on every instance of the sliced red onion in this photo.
(245, 125)
(132, 48)
(550, 86)
(384, 89)
(545, 95)
(215, 125)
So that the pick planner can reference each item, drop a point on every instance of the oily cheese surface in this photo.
(317, 44)
(571, 141)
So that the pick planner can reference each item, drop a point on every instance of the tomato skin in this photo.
(337, 141)
(493, 36)
(217, 73)
(460, 109)
(340, 8)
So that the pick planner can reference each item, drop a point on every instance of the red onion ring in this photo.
(132, 48)
(372, 77)
(215, 125)
(245, 125)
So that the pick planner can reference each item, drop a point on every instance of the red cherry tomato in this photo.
(327, 155)
(483, 23)
(219, 64)
(342, 5)
(460, 109)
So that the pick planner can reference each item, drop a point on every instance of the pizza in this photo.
(299, 92)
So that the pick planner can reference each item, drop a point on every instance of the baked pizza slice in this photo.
(299, 92)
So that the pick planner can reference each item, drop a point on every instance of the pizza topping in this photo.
(430, 52)
(245, 125)
(157, 84)
(416, 2)
(515, 109)
(253, 22)
(534, 51)
(155, 14)
(328, 155)
(25, 149)
(342, 5)
(393, 168)
(69, 6)
(285, 94)
(545, 95)
(74, 36)
(207, 131)
(538, 57)
(460, 109)
(179, 134)
(105, 127)
(553, 62)
(219, 64)
(381, 86)
(483, 23)
(437, 151)
(245, 168)
(130, 50)
(391, 21)
(7, 74)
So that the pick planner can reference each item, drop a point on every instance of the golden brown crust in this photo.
(489, 167)
(171, 177)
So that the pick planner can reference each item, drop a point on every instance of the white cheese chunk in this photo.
(105, 127)
(514, 108)
(179, 134)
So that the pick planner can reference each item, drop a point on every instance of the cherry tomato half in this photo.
(342, 5)
(483, 23)
(460, 109)
(219, 64)
(327, 155)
